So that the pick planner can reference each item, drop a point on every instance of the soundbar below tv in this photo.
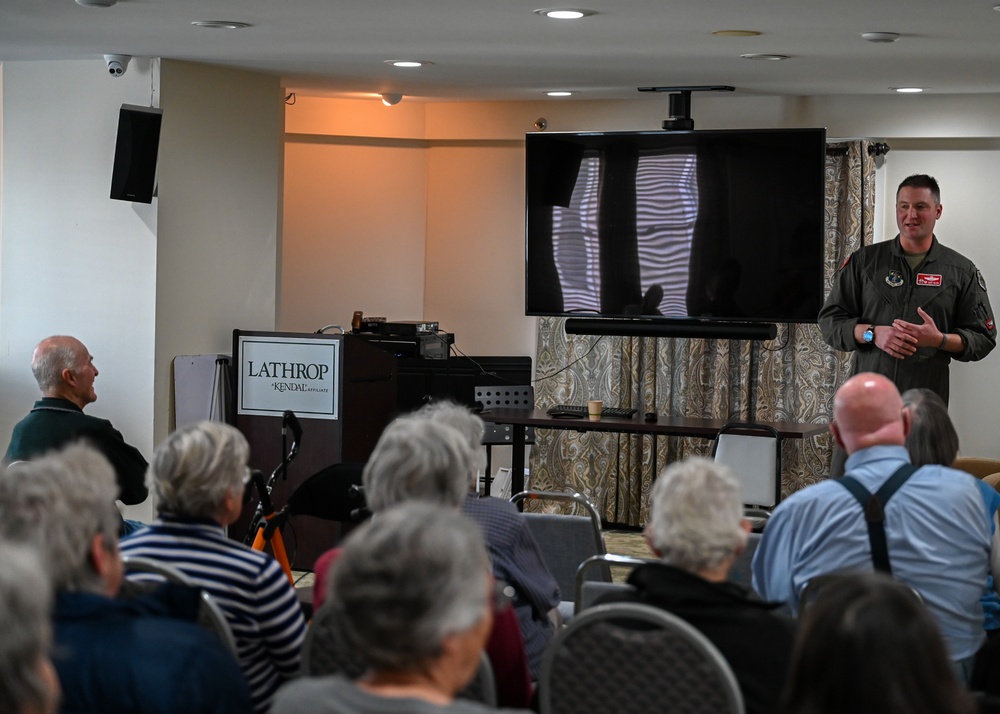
(701, 225)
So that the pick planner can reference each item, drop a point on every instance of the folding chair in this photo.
(324, 651)
(754, 455)
(566, 541)
(210, 615)
(589, 591)
(627, 658)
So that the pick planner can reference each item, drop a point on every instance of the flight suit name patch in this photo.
(928, 279)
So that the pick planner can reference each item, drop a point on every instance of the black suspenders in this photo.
(873, 505)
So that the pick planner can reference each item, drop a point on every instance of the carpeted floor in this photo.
(631, 543)
(626, 543)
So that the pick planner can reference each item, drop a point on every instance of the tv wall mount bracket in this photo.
(680, 103)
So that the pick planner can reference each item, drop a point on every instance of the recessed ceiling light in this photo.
(907, 90)
(221, 24)
(736, 33)
(408, 63)
(565, 13)
(880, 36)
(560, 94)
(765, 58)
(96, 3)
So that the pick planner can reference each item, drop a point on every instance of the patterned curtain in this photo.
(792, 378)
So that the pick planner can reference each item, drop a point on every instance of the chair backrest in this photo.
(978, 467)
(324, 651)
(993, 480)
(755, 459)
(633, 658)
(328, 493)
(566, 540)
(588, 590)
(210, 615)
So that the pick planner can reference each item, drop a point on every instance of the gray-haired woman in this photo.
(413, 594)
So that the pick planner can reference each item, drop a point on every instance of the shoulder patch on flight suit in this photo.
(981, 279)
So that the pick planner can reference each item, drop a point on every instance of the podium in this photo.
(343, 392)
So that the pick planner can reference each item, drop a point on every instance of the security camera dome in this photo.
(117, 64)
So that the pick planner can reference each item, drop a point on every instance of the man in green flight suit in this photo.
(910, 305)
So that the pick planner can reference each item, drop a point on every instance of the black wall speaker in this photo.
(134, 174)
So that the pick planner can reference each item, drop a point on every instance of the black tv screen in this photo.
(705, 225)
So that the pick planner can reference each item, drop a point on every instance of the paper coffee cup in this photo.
(594, 407)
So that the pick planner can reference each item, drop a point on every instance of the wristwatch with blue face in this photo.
(869, 335)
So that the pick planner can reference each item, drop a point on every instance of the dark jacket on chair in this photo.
(142, 656)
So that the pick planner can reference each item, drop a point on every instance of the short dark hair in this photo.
(921, 181)
(932, 438)
(868, 644)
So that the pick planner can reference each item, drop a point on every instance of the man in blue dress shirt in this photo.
(937, 526)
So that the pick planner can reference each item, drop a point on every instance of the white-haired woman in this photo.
(423, 460)
(516, 557)
(413, 594)
(697, 530)
(198, 475)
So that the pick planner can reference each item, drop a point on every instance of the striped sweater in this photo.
(250, 588)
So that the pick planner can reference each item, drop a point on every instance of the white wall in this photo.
(220, 170)
(358, 214)
(475, 248)
(73, 261)
(355, 203)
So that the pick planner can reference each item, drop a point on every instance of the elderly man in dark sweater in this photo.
(65, 372)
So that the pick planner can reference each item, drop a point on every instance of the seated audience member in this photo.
(514, 553)
(697, 530)
(867, 645)
(138, 656)
(65, 372)
(413, 594)
(419, 459)
(198, 475)
(937, 528)
(933, 440)
(28, 683)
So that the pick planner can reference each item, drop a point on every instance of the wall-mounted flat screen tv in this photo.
(703, 225)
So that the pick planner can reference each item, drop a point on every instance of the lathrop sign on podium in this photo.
(297, 373)
(343, 392)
